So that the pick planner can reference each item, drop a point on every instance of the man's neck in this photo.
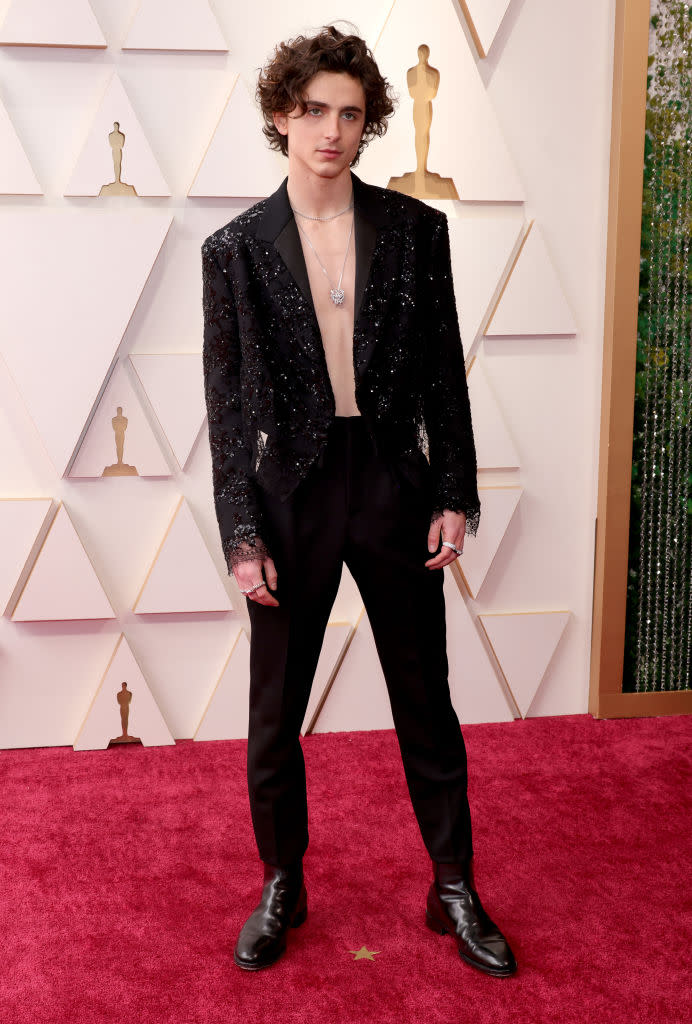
(320, 197)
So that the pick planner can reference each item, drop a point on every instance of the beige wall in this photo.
(547, 77)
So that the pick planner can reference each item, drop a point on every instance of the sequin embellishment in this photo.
(265, 374)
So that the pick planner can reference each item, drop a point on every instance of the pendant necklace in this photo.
(336, 294)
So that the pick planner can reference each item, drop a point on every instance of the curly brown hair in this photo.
(281, 83)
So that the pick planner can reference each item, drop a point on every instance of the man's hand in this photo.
(249, 573)
(453, 527)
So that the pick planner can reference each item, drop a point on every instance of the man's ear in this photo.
(280, 123)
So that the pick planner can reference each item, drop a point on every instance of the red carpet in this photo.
(126, 874)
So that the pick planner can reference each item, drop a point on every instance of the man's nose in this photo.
(333, 127)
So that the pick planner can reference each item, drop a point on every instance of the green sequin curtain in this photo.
(659, 612)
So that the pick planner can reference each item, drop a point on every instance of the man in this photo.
(332, 359)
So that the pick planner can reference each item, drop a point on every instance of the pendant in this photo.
(337, 295)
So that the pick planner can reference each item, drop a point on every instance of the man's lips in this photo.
(329, 152)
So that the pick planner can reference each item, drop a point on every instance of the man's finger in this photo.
(262, 596)
(443, 557)
(270, 573)
(439, 563)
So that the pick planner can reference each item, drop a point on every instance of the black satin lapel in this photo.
(289, 247)
(287, 243)
(278, 225)
(371, 216)
(365, 234)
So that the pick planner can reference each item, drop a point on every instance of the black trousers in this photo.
(353, 508)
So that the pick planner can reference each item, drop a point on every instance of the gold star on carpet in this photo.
(364, 954)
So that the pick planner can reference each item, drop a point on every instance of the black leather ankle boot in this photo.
(454, 906)
(283, 905)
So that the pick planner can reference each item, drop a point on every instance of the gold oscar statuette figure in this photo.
(117, 187)
(124, 699)
(423, 81)
(120, 468)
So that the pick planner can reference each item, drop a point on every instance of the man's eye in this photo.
(311, 110)
(350, 114)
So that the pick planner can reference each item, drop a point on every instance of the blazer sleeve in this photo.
(235, 495)
(446, 406)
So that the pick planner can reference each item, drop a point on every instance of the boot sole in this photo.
(440, 929)
(295, 923)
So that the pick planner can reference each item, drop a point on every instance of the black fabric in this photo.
(265, 370)
(358, 509)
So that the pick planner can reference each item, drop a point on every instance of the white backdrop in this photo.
(90, 286)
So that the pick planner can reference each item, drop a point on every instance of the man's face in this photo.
(325, 139)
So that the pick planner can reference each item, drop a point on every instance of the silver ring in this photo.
(448, 544)
(250, 590)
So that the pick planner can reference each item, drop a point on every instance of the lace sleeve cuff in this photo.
(244, 550)
(473, 516)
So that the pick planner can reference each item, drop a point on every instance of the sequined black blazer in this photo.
(268, 392)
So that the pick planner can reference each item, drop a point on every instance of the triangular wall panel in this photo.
(226, 714)
(20, 523)
(91, 301)
(483, 18)
(524, 643)
(494, 446)
(174, 385)
(104, 722)
(17, 177)
(476, 687)
(238, 161)
(358, 697)
(466, 143)
(62, 584)
(337, 638)
(183, 25)
(98, 454)
(42, 23)
(182, 577)
(481, 249)
(497, 508)
(94, 171)
(532, 301)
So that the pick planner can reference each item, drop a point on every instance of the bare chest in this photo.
(330, 261)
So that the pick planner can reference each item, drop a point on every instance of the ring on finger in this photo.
(251, 589)
(448, 544)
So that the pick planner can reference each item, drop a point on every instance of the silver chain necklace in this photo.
(336, 294)
(330, 217)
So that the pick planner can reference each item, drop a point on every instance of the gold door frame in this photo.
(606, 699)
